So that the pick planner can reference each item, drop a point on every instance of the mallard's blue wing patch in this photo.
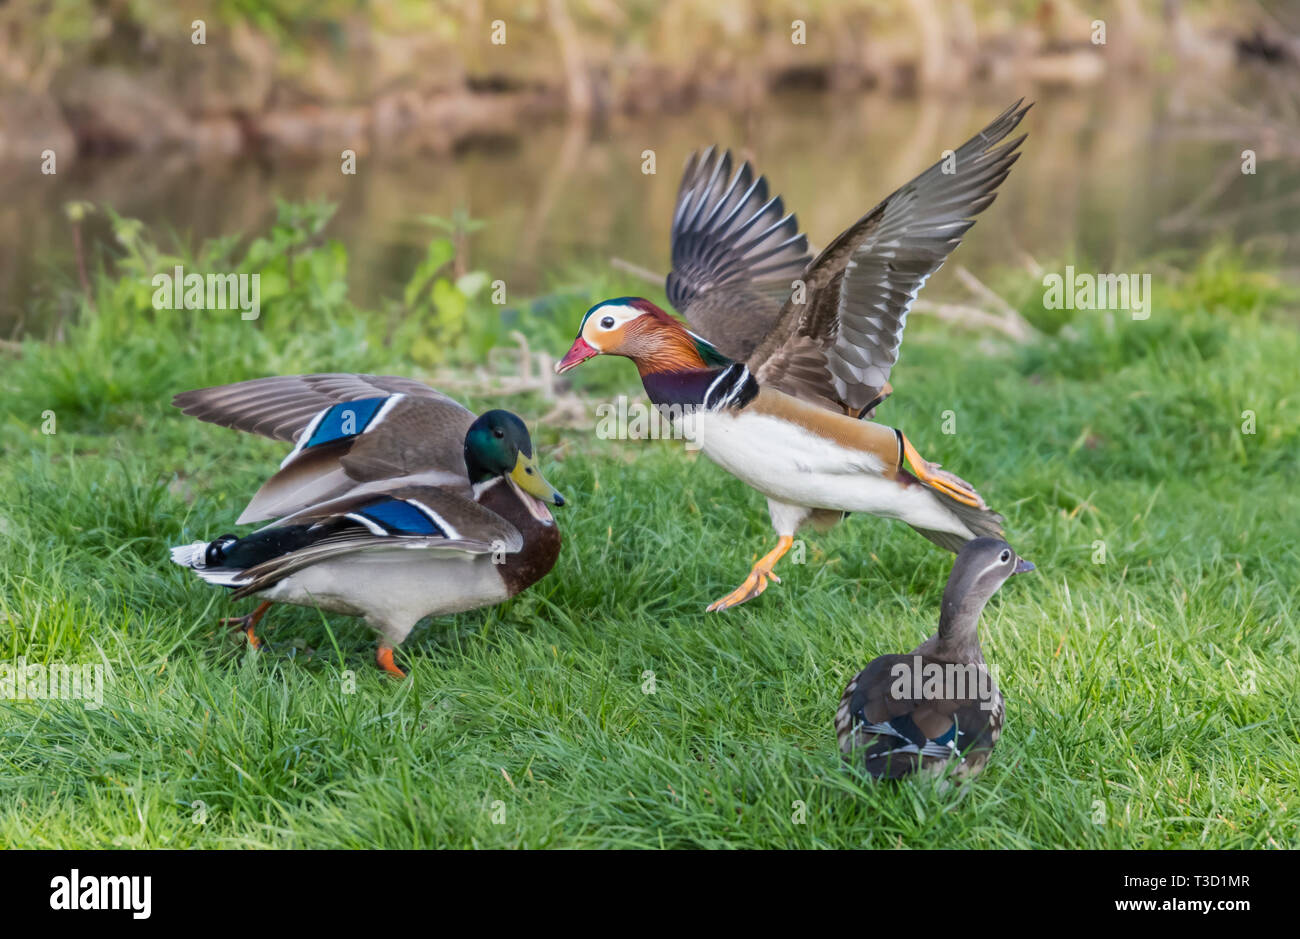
(402, 517)
(347, 420)
(343, 422)
(372, 440)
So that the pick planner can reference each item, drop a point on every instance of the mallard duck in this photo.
(938, 703)
(396, 503)
(777, 392)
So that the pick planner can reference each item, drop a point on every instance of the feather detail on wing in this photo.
(405, 518)
(365, 430)
(280, 407)
(837, 347)
(893, 734)
(735, 252)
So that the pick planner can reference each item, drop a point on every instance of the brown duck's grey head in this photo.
(982, 566)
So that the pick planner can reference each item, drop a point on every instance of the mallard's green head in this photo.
(498, 444)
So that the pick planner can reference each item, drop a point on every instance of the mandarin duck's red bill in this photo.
(578, 353)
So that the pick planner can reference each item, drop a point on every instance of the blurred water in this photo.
(1109, 177)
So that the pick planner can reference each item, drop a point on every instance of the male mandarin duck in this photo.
(938, 703)
(778, 391)
(396, 503)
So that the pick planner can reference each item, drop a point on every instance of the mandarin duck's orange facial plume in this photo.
(637, 329)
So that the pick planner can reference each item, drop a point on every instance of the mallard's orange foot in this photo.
(384, 659)
(951, 485)
(247, 623)
(758, 578)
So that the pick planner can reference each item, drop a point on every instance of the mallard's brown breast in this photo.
(541, 540)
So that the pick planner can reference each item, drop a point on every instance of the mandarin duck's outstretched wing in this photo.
(735, 253)
(837, 347)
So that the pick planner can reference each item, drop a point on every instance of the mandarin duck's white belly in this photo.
(794, 464)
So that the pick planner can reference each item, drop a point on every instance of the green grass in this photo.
(1150, 700)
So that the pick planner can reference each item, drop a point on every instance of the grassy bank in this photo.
(1150, 698)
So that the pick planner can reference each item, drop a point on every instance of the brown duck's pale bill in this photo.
(578, 353)
(529, 478)
(1023, 566)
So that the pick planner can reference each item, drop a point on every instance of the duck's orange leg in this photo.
(758, 577)
(929, 473)
(384, 659)
(248, 623)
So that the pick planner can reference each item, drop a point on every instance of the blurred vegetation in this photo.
(41, 38)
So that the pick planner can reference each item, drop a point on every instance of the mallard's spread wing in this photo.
(353, 433)
(735, 253)
(837, 347)
(282, 406)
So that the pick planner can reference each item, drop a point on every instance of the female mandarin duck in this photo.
(396, 503)
(938, 703)
(778, 391)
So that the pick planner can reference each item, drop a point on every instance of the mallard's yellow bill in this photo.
(530, 479)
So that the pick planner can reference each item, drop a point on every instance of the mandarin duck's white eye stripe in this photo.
(618, 312)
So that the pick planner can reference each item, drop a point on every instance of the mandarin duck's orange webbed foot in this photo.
(248, 623)
(758, 578)
(954, 487)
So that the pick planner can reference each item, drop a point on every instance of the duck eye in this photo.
(607, 323)
(1004, 556)
(498, 432)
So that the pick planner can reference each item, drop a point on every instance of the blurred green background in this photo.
(1136, 149)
